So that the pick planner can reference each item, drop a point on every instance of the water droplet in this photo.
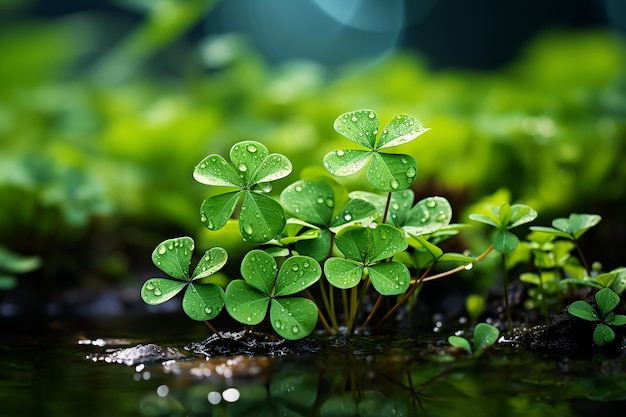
(354, 119)
(442, 216)
(431, 203)
(158, 292)
(469, 266)
(279, 324)
(162, 250)
(243, 167)
(394, 184)
(248, 318)
(295, 329)
(371, 115)
(298, 188)
(208, 310)
(295, 268)
(203, 218)
(395, 206)
(306, 265)
(410, 172)
(171, 246)
(340, 152)
(425, 217)
(251, 148)
(403, 160)
(203, 165)
(149, 286)
(347, 217)
(248, 229)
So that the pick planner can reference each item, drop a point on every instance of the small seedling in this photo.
(504, 218)
(484, 336)
(606, 300)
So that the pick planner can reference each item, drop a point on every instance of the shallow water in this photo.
(62, 371)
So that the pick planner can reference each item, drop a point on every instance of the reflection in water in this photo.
(360, 376)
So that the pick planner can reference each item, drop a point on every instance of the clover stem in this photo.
(582, 257)
(505, 280)
(544, 306)
(346, 309)
(327, 305)
(213, 329)
(354, 307)
(458, 268)
(370, 316)
(320, 314)
(386, 208)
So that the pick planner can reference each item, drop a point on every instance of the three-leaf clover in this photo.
(250, 170)
(503, 218)
(571, 228)
(365, 248)
(606, 300)
(314, 202)
(264, 285)
(387, 171)
(202, 301)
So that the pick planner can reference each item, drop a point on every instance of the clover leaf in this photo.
(264, 285)
(606, 300)
(386, 171)
(202, 301)
(313, 201)
(364, 249)
(571, 228)
(250, 170)
(503, 218)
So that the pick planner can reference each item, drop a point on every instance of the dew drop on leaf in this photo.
(340, 152)
(410, 172)
(295, 268)
(371, 115)
(320, 200)
(248, 229)
(162, 250)
(208, 310)
(150, 286)
(295, 329)
(469, 266)
(243, 167)
(298, 188)
(354, 119)
(157, 291)
(279, 324)
(431, 203)
(251, 148)
(347, 217)
(171, 246)
(394, 184)
(329, 202)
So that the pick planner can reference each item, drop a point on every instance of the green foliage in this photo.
(251, 169)
(265, 285)
(386, 171)
(484, 336)
(12, 264)
(202, 300)
(607, 300)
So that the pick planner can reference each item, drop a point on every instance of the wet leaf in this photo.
(203, 301)
(392, 172)
(215, 170)
(370, 244)
(293, 317)
(401, 129)
(173, 257)
(261, 219)
(212, 261)
(296, 274)
(159, 290)
(460, 342)
(390, 278)
(215, 211)
(342, 273)
(484, 336)
(311, 201)
(259, 269)
(343, 162)
(428, 215)
(245, 303)
(360, 126)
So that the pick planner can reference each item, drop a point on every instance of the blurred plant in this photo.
(484, 336)
(504, 218)
(606, 300)
(12, 264)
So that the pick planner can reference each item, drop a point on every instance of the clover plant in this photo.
(504, 218)
(202, 300)
(265, 285)
(372, 246)
(484, 336)
(607, 300)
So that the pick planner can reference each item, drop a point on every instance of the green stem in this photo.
(505, 278)
(319, 311)
(582, 257)
(386, 208)
(544, 306)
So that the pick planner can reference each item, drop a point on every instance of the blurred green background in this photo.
(106, 107)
